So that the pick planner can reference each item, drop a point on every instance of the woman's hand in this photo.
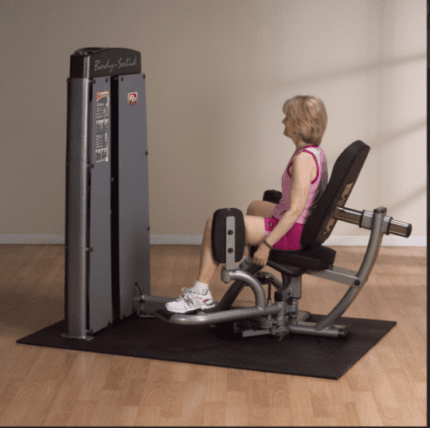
(261, 255)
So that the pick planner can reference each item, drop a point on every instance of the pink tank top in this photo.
(317, 186)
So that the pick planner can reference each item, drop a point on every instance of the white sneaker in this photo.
(190, 301)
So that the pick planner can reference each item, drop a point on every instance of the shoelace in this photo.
(186, 298)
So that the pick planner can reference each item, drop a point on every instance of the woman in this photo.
(268, 225)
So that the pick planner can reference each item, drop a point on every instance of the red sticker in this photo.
(132, 98)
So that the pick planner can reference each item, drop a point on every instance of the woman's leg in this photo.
(198, 295)
(259, 209)
(255, 233)
(208, 265)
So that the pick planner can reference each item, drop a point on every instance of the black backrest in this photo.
(320, 223)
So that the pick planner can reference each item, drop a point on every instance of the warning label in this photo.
(102, 126)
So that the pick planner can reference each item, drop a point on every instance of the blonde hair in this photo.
(308, 118)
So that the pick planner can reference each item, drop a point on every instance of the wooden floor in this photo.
(43, 386)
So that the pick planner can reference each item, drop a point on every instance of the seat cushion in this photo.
(315, 259)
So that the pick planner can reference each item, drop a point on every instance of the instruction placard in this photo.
(102, 126)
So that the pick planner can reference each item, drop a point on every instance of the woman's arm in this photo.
(301, 173)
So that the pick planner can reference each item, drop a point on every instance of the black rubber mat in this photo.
(295, 355)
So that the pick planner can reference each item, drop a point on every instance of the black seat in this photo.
(320, 223)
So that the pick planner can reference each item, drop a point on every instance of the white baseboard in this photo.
(31, 239)
(343, 241)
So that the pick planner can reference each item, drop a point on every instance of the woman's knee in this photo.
(251, 208)
(209, 222)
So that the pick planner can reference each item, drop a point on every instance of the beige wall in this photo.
(218, 73)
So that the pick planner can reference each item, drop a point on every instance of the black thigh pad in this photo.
(219, 226)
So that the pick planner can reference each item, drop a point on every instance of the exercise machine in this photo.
(107, 274)
(107, 210)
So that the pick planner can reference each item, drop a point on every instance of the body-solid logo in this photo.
(121, 64)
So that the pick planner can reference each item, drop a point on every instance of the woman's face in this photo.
(286, 124)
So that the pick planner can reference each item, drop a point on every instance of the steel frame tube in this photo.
(76, 208)
(223, 316)
(254, 283)
(366, 267)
